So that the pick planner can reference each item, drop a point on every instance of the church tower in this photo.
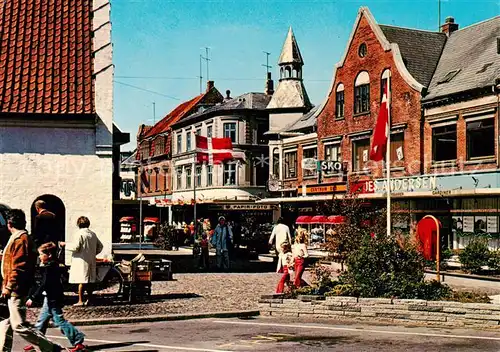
(290, 100)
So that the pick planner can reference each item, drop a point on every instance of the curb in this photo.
(465, 276)
(168, 317)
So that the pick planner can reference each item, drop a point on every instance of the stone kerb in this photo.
(387, 310)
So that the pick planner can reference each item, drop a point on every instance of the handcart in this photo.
(137, 275)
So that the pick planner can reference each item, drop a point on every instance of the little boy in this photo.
(204, 254)
(52, 288)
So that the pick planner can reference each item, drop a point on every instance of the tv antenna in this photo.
(266, 65)
(207, 59)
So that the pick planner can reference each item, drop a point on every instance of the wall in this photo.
(405, 110)
(384, 310)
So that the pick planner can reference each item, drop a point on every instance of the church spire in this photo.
(290, 54)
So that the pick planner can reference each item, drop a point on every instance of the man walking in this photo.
(18, 269)
(221, 240)
(45, 227)
(281, 233)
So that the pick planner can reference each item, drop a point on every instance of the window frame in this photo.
(188, 140)
(179, 142)
(310, 173)
(198, 176)
(232, 170)
(355, 142)
(230, 131)
(178, 174)
(210, 175)
(434, 136)
(210, 131)
(189, 176)
(286, 163)
(340, 101)
(489, 119)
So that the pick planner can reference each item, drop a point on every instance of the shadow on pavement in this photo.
(105, 346)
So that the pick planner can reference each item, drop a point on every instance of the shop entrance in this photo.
(54, 205)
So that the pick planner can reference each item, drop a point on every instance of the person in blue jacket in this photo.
(222, 240)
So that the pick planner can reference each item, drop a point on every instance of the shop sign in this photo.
(327, 188)
(362, 187)
(309, 164)
(399, 185)
(330, 166)
(248, 207)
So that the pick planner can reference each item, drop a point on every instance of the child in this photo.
(52, 287)
(300, 253)
(204, 254)
(285, 265)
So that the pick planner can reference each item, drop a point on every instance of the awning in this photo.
(127, 219)
(319, 219)
(304, 219)
(336, 219)
(155, 220)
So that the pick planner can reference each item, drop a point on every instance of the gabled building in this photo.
(56, 111)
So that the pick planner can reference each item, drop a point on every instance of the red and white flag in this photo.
(215, 150)
(381, 133)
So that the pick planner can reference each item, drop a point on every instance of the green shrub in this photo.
(444, 257)
(494, 261)
(475, 255)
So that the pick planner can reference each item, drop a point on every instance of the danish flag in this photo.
(381, 133)
(215, 150)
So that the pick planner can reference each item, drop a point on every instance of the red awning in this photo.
(155, 220)
(127, 219)
(319, 219)
(304, 219)
(336, 219)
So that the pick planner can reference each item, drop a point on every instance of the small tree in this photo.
(475, 255)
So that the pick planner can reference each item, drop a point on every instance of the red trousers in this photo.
(284, 279)
(299, 270)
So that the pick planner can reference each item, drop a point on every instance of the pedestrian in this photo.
(280, 234)
(45, 226)
(18, 270)
(52, 288)
(299, 251)
(285, 265)
(204, 254)
(84, 249)
(221, 240)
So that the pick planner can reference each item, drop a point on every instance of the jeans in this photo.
(222, 259)
(53, 310)
(299, 270)
(17, 323)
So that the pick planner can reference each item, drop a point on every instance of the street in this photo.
(260, 334)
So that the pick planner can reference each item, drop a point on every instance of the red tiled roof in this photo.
(174, 116)
(46, 61)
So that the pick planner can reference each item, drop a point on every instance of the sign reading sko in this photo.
(330, 167)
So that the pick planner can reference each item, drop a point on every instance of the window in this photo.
(210, 172)
(178, 173)
(361, 154)
(362, 50)
(188, 177)
(448, 77)
(229, 174)
(159, 146)
(339, 101)
(291, 164)
(333, 152)
(481, 139)
(230, 131)
(198, 131)
(383, 82)
(276, 162)
(188, 141)
(310, 153)
(198, 176)
(166, 175)
(261, 137)
(444, 143)
(397, 150)
(209, 131)
(157, 179)
(362, 93)
(179, 143)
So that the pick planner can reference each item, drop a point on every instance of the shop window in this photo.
(291, 164)
(179, 143)
(362, 93)
(188, 141)
(397, 150)
(444, 143)
(230, 131)
(198, 176)
(178, 174)
(310, 153)
(361, 154)
(481, 139)
(210, 173)
(209, 131)
(188, 177)
(339, 101)
(229, 174)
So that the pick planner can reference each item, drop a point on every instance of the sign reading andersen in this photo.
(408, 184)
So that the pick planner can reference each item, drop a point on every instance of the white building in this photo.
(56, 116)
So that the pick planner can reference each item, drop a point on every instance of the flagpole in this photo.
(388, 158)
(140, 211)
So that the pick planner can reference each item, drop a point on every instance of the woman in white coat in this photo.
(85, 247)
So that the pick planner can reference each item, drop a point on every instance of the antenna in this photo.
(439, 15)
(207, 59)
(154, 113)
(267, 62)
(201, 75)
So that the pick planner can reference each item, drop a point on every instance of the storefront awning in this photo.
(155, 220)
(304, 219)
(127, 219)
(319, 219)
(336, 219)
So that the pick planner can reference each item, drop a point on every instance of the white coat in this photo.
(85, 247)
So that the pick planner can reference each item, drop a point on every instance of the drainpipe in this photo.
(496, 89)
(422, 140)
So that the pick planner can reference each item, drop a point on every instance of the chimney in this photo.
(269, 85)
(449, 26)
(228, 95)
(210, 85)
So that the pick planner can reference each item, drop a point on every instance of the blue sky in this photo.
(157, 44)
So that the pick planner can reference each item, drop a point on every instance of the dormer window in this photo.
(448, 77)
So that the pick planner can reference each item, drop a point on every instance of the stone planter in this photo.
(386, 310)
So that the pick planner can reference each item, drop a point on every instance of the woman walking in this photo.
(85, 247)
(299, 252)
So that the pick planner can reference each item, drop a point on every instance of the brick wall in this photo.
(384, 310)
(405, 110)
